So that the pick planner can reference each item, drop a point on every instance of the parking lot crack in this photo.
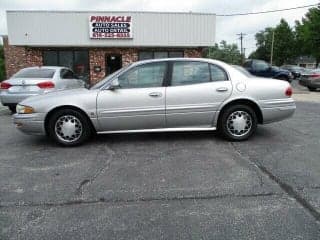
(288, 189)
(135, 200)
(106, 150)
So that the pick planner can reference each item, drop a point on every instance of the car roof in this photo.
(208, 60)
(46, 67)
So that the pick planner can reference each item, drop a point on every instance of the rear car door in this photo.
(195, 93)
(139, 103)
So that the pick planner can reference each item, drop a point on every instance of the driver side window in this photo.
(144, 76)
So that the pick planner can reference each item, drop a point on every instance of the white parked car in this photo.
(36, 80)
(176, 94)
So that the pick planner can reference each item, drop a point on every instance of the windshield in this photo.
(108, 78)
(242, 70)
(35, 73)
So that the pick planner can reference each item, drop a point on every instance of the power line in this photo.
(270, 11)
(241, 38)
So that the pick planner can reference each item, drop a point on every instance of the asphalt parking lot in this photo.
(165, 185)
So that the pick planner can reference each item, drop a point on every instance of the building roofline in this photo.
(99, 11)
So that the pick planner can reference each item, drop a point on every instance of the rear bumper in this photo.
(13, 98)
(30, 123)
(310, 83)
(277, 109)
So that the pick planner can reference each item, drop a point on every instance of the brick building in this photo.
(95, 44)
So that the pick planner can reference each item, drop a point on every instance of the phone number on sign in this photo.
(110, 35)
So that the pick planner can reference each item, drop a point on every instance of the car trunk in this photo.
(26, 85)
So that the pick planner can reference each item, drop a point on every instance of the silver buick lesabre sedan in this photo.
(176, 94)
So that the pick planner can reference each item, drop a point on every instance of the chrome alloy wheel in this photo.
(239, 123)
(68, 128)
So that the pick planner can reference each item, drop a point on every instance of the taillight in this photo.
(5, 85)
(47, 84)
(315, 76)
(288, 92)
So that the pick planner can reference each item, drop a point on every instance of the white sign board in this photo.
(101, 27)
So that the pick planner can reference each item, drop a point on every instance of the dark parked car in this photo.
(310, 79)
(263, 69)
(294, 69)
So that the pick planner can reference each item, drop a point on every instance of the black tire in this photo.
(311, 89)
(238, 111)
(12, 108)
(71, 117)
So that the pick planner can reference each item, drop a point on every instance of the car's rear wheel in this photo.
(12, 108)
(237, 122)
(311, 89)
(69, 127)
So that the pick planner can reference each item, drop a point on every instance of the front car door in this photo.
(196, 91)
(139, 102)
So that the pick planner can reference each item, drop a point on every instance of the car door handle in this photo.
(155, 94)
(222, 89)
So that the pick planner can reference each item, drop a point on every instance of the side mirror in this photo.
(114, 85)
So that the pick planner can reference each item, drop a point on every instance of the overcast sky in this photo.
(226, 27)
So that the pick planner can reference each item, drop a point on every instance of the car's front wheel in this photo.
(237, 122)
(69, 127)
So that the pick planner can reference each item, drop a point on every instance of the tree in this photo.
(284, 44)
(228, 53)
(308, 34)
(263, 44)
(2, 68)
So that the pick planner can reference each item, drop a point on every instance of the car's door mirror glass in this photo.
(114, 84)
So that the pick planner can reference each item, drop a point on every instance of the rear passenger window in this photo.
(217, 73)
(185, 73)
(66, 74)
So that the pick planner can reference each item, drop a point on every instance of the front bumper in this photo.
(30, 123)
(277, 109)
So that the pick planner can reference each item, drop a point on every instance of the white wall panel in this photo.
(150, 29)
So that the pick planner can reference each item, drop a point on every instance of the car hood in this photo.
(81, 98)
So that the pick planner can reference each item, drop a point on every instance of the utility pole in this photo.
(271, 55)
(241, 43)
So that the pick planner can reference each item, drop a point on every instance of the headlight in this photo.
(21, 109)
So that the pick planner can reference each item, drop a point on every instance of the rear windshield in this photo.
(242, 70)
(35, 73)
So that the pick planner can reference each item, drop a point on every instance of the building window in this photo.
(160, 55)
(143, 55)
(175, 54)
(77, 60)
(50, 58)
